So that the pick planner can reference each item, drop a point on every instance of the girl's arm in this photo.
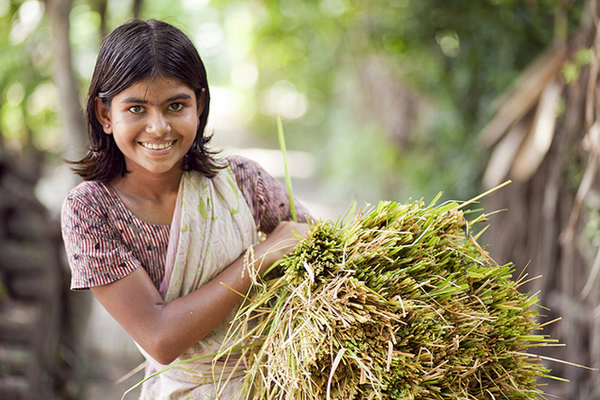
(165, 331)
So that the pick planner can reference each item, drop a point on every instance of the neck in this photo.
(149, 186)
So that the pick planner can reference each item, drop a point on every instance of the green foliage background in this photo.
(452, 59)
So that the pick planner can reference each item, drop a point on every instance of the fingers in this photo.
(292, 230)
(286, 236)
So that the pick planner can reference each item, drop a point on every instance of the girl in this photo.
(159, 228)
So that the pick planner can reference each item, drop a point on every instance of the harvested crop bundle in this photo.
(400, 302)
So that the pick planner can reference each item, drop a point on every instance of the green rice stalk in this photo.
(288, 179)
(398, 302)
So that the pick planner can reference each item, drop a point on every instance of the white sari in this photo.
(212, 226)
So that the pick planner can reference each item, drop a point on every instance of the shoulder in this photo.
(93, 196)
(248, 173)
(242, 165)
(88, 189)
(89, 192)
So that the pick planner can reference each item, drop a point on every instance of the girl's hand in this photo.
(287, 235)
(279, 243)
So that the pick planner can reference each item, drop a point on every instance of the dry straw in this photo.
(396, 302)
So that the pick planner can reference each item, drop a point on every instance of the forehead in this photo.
(156, 89)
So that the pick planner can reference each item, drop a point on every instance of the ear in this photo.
(201, 102)
(103, 115)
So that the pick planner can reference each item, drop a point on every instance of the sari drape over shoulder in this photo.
(212, 226)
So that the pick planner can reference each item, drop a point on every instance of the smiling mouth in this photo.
(157, 146)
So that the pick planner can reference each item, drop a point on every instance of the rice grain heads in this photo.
(398, 302)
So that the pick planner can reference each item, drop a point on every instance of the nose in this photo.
(158, 124)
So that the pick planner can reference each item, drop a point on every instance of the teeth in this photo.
(156, 146)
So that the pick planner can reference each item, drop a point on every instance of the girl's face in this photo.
(153, 123)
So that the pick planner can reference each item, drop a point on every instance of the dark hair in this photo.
(135, 51)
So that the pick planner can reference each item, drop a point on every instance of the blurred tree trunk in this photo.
(76, 307)
(551, 220)
(100, 6)
(64, 76)
(137, 8)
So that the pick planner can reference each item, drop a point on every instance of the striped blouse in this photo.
(105, 242)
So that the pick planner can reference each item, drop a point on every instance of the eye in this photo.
(136, 109)
(176, 106)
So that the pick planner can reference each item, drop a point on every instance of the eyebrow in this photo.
(180, 96)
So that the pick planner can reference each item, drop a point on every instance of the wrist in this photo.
(262, 256)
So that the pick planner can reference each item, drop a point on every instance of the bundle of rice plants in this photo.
(397, 302)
